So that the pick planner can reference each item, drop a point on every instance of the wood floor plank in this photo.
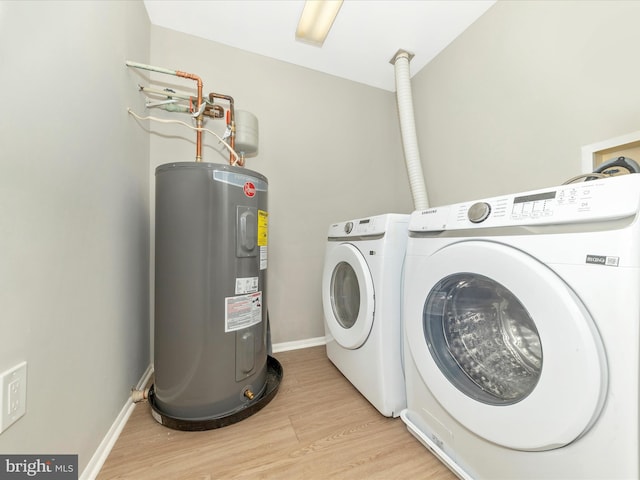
(318, 426)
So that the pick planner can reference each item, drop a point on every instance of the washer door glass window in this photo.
(347, 296)
(483, 339)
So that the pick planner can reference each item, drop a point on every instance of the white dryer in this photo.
(522, 339)
(361, 296)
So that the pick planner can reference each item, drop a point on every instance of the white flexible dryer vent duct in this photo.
(408, 130)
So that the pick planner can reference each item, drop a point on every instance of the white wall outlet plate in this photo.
(13, 395)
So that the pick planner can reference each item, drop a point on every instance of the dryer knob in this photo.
(348, 227)
(478, 212)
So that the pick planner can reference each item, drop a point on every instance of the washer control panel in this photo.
(596, 200)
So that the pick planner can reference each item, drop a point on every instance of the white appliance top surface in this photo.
(366, 227)
(592, 201)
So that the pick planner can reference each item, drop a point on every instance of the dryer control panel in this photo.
(597, 200)
(375, 226)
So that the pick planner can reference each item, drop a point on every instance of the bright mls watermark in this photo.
(50, 467)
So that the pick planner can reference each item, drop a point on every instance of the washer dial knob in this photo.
(478, 212)
(348, 227)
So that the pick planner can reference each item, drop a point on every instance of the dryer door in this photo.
(347, 296)
(505, 345)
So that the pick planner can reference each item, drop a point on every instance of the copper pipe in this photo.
(199, 119)
(231, 123)
(209, 110)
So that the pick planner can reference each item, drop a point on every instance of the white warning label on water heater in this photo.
(246, 285)
(242, 311)
(263, 258)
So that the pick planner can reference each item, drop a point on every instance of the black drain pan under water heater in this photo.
(211, 360)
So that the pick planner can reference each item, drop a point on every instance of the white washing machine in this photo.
(521, 318)
(361, 296)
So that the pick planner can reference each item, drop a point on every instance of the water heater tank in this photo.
(210, 334)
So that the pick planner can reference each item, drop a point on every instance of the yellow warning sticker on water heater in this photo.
(263, 228)
(263, 237)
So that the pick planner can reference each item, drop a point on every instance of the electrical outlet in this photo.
(13, 395)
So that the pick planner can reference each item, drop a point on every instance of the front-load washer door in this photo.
(505, 345)
(347, 296)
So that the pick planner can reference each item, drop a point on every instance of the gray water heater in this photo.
(210, 342)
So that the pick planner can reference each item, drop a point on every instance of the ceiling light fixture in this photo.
(316, 20)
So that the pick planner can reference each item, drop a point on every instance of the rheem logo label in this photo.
(249, 189)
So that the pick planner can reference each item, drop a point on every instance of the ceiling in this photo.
(364, 38)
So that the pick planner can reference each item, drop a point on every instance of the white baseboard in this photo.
(100, 456)
(298, 344)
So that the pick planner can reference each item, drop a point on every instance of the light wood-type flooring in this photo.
(318, 426)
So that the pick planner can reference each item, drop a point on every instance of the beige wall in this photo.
(509, 104)
(74, 232)
(329, 147)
